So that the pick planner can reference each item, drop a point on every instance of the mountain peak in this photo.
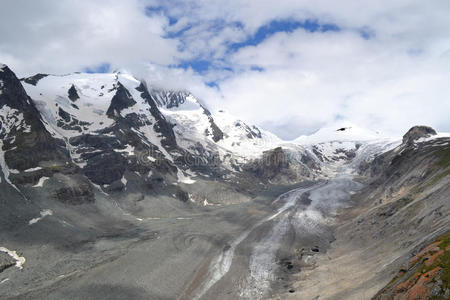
(339, 131)
(417, 132)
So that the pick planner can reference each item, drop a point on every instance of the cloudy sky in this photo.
(290, 66)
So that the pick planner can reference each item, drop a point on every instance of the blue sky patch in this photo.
(102, 68)
(179, 33)
(283, 26)
(212, 84)
(198, 65)
(204, 63)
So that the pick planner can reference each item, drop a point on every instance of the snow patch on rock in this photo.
(20, 260)
(41, 181)
(44, 213)
(33, 169)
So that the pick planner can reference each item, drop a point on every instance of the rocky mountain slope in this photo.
(386, 240)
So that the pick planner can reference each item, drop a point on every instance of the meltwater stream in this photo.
(325, 198)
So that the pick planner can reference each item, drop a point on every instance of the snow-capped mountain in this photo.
(193, 123)
(104, 118)
(152, 134)
(341, 131)
(340, 141)
(197, 129)
(89, 103)
(245, 140)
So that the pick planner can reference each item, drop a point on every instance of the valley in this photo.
(112, 189)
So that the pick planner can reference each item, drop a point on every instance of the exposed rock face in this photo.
(182, 195)
(69, 122)
(34, 79)
(417, 132)
(162, 125)
(171, 99)
(31, 151)
(26, 142)
(100, 169)
(121, 100)
(216, 132)
(76, 190)
(280, 166)
(6, 261)
(270, 165)
(309, 162)
(73, 94)
(106, 156)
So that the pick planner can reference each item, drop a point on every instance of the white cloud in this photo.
(394, 80)
(318, 77)
(64, 36)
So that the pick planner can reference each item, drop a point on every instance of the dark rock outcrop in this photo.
(28, 142)
(32, 151)
(33, 80)
(273, 164)
(100, 169)
(171, 99)
(121, 100)
(69, 122)
(217, 134)
(182, 195)
(281, 166)
(162, 125)
(395, 164)
(75, 191)
(417, 132)
(73, 94)
(309, 162)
